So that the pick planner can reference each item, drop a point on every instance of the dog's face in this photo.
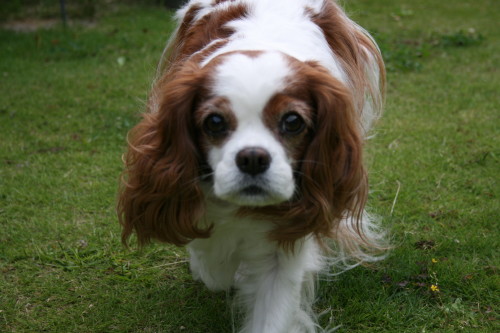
(274, 135)
(253, 131)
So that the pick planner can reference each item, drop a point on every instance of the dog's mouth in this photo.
(253, 196)
(253, 190)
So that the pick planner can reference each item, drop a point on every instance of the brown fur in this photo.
(193, 36)
(161, 197)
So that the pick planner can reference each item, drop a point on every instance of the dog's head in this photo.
(273, 136)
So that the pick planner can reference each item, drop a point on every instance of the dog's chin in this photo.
(254, 196)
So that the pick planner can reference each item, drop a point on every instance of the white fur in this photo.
(274, 287)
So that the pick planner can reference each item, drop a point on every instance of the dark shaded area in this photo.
(64, 9)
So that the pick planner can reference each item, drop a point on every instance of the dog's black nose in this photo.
(253, 160)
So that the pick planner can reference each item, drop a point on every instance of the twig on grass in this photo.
(395, 197)
(170, 264)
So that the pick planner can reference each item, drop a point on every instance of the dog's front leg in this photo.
(213, 262)
(270, 290)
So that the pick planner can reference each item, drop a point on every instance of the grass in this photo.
(68, 98)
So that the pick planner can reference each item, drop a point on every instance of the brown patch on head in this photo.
(274, 115)
(194, 35)
(198, 57)
(212, 27)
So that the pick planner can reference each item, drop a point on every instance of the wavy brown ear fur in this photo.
(160, 197)
(331, 176)
(332, 172)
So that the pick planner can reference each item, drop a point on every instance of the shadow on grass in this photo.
(173, 304)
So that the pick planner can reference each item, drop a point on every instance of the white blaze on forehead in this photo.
(249, 81)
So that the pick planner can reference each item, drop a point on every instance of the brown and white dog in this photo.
(250, 152)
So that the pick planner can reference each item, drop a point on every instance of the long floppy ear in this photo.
(332, 175)
(331, 178)
(160, 197)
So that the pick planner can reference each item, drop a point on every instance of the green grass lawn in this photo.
(68, 98)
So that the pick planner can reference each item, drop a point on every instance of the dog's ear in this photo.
(331, 179)
(160, 197)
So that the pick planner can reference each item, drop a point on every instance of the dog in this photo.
(250, 152)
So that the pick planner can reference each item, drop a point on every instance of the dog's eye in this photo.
(292, 123)
(215, 125)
